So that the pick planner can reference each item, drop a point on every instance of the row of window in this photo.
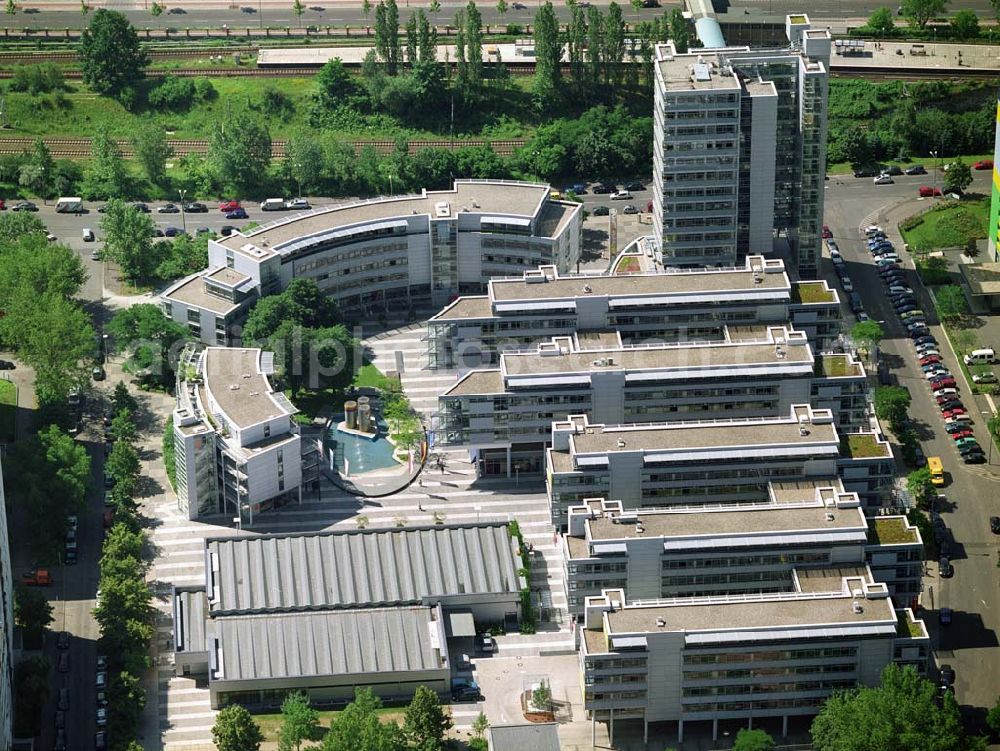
(768, 688)
(775, 655)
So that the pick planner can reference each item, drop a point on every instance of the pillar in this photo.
(593, 729)
(750, 722)
(715, 728)
(645, 729)
(680, 732)
(784, 726)
(508, 462)
(611, 729)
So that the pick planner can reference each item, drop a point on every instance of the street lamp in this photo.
(934, 184)
(183, 218)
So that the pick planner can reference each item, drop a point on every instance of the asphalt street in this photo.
(970, 643)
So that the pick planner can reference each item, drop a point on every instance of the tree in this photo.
(541, 697)
(334, 83)
(435, 6)
(110, 54)
(366, 8)
(31, 691)
(236, 730)
(19, 225)
(900, 714)
(919, 484)
(38, 169)
(426, 39)
(155, 9)
(957, 178)
(680, 30)
(299, 722)
(153, 340)
(128, 239)
(121, 399)
(919, 12)
(474, 46)
(298, 8)
(11, 7)
(304, 161)
(182, 256)
(149, 144)
(123, 462)
(387, 34)
(123, 427)
(614, 45)
(881, 22)
(127, 698)
(106, 176)
(502, 8)
(359, 727)
(595, 46)
(32, 612)
(426, 722)
(480, 725)
(58, 369)
(301, 302)
(950, 302)
(239, 152)
(993, 717)
(891, 403)
(753, 740)
(965, 24)
(867, 334)
(548, 53)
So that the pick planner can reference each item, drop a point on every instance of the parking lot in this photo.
(970, 492)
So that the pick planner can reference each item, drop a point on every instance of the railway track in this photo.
(70, 56)
(79, 148)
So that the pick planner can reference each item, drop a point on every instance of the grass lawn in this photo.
(845, 168)
(950, 224)
(862, 446)
(8, 411)
(311, 403)
(270, 724)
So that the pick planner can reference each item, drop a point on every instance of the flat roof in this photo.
(703, 434)
(678, 74)
(555, 216)
(466, 307)
(530, 736)
(838, 366)
(765, 613)
(827, 578)
(331, 643)
(331, 570)
(492, 197)
(682, 283)
(191, 291)
(189, 619)
(893, 530)
(252, 401)
(770, 519)
(982, 278)
(478, 382)
(716, 357)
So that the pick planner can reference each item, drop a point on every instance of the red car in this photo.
(945, 398)
(962, 434)
(3, 205)
(926, 191)
(984, 164)
(953, 412)
(827, 234)
(229, 206)
(929, 360)
(943, 383)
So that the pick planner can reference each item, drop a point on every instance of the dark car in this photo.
(926, 340)
(195, 208)
(995, 525)
(974, 457)
(102, 208)
(944, 616)
(69, 555)
(168, 208)
(893, 170)
(62, 641)
(635, 185)
(60, 743)
(173, 232)
(605, 188)
(951, 404)
(946, 675)
(63, 701)
(944, 568)
(204, 231)
(466, 692)
(918, 331)
(237, 213)
(865, 172)
(601, 211)
(7, 365)
(956, 429)
(916, 169)
(140, 207)
(970, 449)
(157, 232)
(100, 740)
(226, 230)
(24, 206)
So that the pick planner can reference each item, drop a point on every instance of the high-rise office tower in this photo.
(739, 152)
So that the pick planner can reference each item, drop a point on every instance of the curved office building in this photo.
(383, 254)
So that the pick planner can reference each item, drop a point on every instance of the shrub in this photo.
(173, 93)
(514, 29)
(204, 91)
(911, 222)
(37, 79)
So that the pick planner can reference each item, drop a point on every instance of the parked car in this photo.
(961, 433)
(97, 373)
(929, 360)
(847, 283)
(944, 382)
(892, 170)
(630, 209)
(195, 208)
(983, 164)
(601, 211)
(883, 179)
(944, 568)
(995, 525)
(227, 206)
(837, 259)
(635, 185)
(827, 233)
(101, 680)
(865, 172)
(621, 195)
(7, 365)
(62, 641)
(956, 427)
(605, 188)
(140, 207)
(969, 443)
(299, 203)
(173, 232)
(944, 616)
(168, 208)
(464, 689)
(953, 412)
(926, 340)
(101, 717)
(101, 737)
(60, 719)
(237, 213)
(944, 392)
(64, 662)
(926, 191)
(916, 169)
(984, 378)
(24, 206)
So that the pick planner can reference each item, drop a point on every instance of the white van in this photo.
(980, 357)
(69, 206)
(273, 204)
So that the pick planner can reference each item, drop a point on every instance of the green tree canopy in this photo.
(426, 722)
(239, 151)
(32, 611)
(358, 726)
(153, 340)
(680, 30)
(128, 239)
(110, 53)
(299, 722)
(149, 143)
(236, 730)
(17, 225)
(123, 461)
(753, 740)
(900, 714)
(300, 302)
(106, 175)
(965, 24)
(891, 403)
(950, 302)
(919, 12)
(920, 486)
(122, 399)
(548, 53)
(881, 22)
(181, 256)
(957, 178)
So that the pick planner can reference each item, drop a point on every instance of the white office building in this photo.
(677, 305)
(739, 150)
(382, 255)
(730, 549)
(742, 657)
(237, 449)
(699, 461)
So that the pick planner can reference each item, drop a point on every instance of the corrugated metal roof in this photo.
(359, 568)
(344, 642)
(528, 737)
(189, 620)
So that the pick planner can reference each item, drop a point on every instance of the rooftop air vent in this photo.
(779, 352)
(803, 430)
(587, 289)
(856, 607)
(639, 529)
(660, 623)
(442, 209)
(829, 516)
(475, 203)
(610, 361)
(254, 393)
(246, 376)
(621, 443)
(758, 279)
(234, 387)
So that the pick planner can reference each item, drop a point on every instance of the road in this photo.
(833, 10)
(969, 645)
